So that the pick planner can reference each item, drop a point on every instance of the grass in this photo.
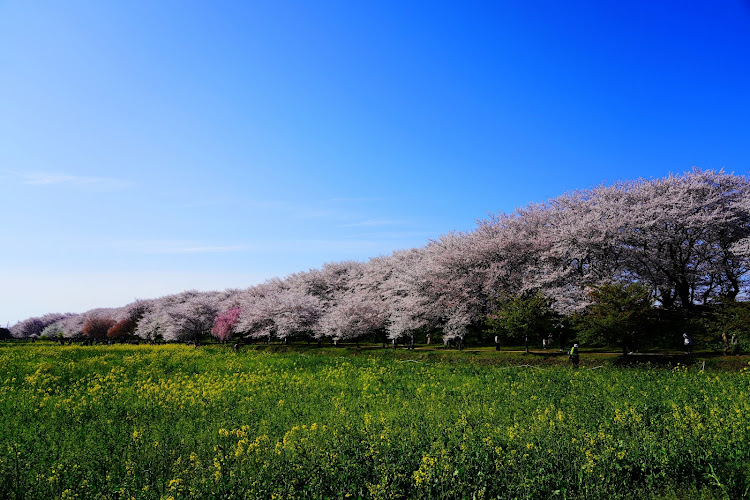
(291, 422)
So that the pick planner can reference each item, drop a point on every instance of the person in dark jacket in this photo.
(573, 356)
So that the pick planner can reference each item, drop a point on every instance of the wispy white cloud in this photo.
(375, 223)
(62, 179)
(176, 247)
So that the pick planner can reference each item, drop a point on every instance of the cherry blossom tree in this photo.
(296, 314)
(34, 326)
(456, 327)
(276, 310)
(353, 318)
(408, 307)
(328, 283)
(225, 322)
(136, 310)
(53, 331)
(28, 328)
(680, 232)
(685, 238)
(96, 327)
(451, 278)
(153, 324)
(122, 329)
(356, 308)
(256, 320)
(70, 327)
(190, 316)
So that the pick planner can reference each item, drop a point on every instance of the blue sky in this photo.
(151, 147)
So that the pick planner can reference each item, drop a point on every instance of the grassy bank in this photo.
(172, 421)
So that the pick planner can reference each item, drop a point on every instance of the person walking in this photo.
(688, 343)
(573, 356)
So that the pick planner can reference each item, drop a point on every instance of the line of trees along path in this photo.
(611, 264)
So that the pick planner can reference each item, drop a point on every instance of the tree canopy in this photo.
(618, 315)
(674, 243)
(523, 317)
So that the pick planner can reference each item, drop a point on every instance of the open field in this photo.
(172, 421)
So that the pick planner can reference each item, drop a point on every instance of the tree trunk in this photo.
(683, 290)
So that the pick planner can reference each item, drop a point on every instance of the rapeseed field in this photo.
(173, 422)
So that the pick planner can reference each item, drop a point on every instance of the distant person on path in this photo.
(573, 355)
(688, 343)
(497, 343)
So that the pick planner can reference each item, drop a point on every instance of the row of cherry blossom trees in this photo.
(685, 238)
